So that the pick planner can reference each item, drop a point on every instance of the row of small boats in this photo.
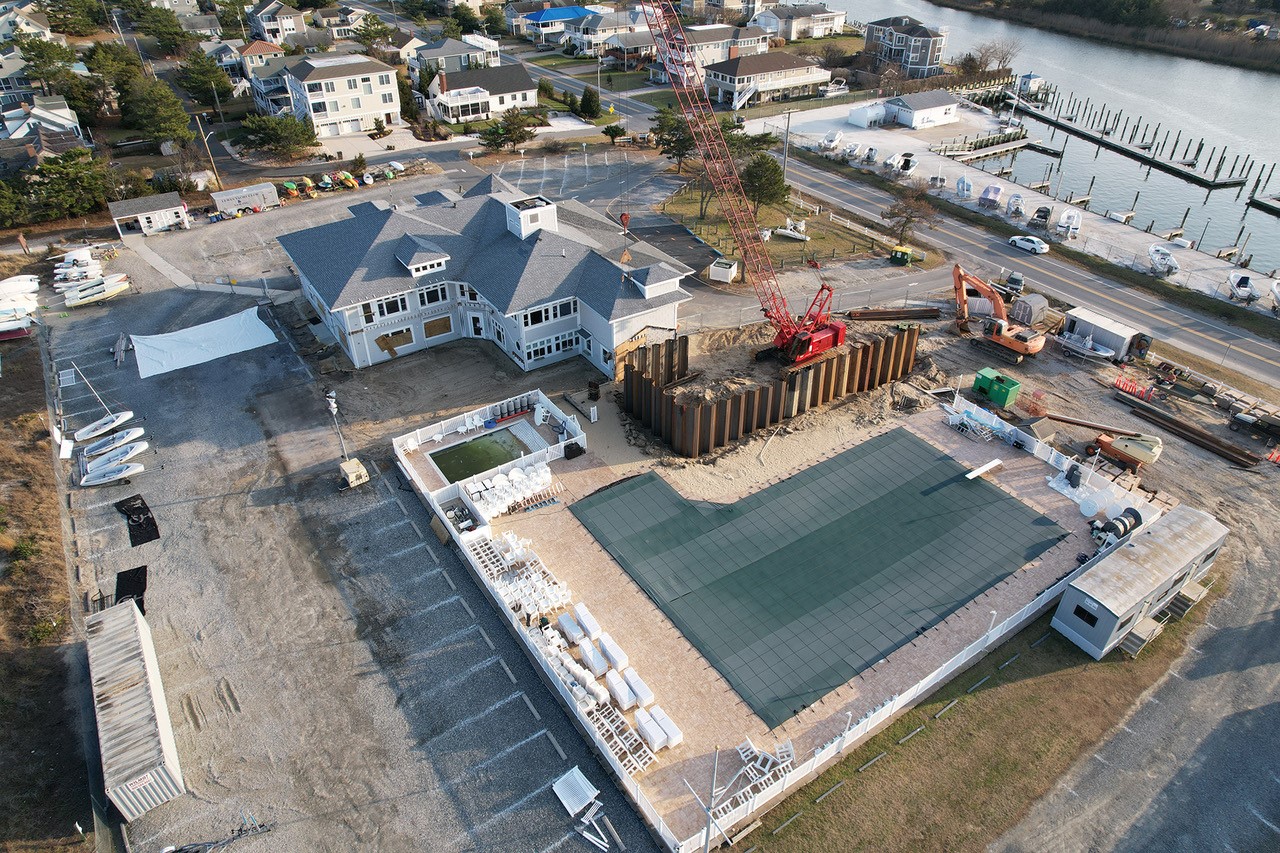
(78, 278)
(109, 457)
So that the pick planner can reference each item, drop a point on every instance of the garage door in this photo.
(326, 130)
(352, 126)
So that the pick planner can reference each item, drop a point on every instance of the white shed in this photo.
(149, 214)
(867, 115)
(924, 109)
(139, 756)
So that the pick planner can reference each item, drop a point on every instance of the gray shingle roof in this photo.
(144, 204)
(759, 63)
(925, 100)
(488, 185)
(806, 11)
(328, 68)
(498, 80)
(446, 47)
(411, 250)
(721, 32)
(356, 260)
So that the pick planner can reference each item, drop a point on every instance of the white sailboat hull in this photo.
(109, 443)
(97, 293)
(112, 474)
(119, 456)
(104, 424)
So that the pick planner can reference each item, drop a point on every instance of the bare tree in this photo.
(1005, 51)
(912, 209)
(985, 54)
(833, 55)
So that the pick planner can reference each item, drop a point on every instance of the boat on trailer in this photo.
(100, 292)
(1085, 347)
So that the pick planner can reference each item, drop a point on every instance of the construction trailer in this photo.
(1128, 342)
(139, 756)
(1115, 601)
(254, 199)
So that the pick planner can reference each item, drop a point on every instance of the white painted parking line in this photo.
(392, 526)
(467, 607)
(95, 530)
(498, 756)
(1211, 625)
(454, 680)
(1271, 826)
(532, 710)
(511, 676)
(555, 743)
(86, 507)
(459, 841)
(448, 580)
(445, 641)
(404, 551)
(1100, 758)
(450, 600)
(475, 718)
(559, 843)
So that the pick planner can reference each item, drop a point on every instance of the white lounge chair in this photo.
(591, 655)
(675, 737)
(569, 627)
(586, 620)
(643, 694)
(618, 689)
(650, 730)
(617, 657)
(438, 437)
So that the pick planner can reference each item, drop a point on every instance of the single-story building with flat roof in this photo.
(149, 214)
(923, 109)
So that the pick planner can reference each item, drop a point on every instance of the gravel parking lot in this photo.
(328, 665)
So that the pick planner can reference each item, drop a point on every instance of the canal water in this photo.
(1223, 105)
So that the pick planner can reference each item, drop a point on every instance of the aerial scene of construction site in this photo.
(798, 440)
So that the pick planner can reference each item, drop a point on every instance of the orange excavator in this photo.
(1007, 340)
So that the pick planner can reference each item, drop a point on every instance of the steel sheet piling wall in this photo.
(693, 429)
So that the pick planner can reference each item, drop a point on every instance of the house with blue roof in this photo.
(543, 281)
(545, 24)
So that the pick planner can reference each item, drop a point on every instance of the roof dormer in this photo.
(656, 279)
(419, 256)
(527, 214)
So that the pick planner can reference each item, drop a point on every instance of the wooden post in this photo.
(683, 361)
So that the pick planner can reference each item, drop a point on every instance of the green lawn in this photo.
(622, 81)
(657, 100)
(851, 45)
(554, 59)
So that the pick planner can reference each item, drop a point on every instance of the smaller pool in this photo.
(478, 455)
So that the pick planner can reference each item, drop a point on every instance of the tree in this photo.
(46, 60)
(467, 19)
(833, 55)
(589, 106)
(71, 184)
(14, 207)
(494, 138)
(284, 136)
(1005, 51)
(451, 30)
(75, 17)
(87, 96)
(762, 181)
(571, 102)
(743, 145)
(115, 62)
(911, 209)
(408, 105)
(515, 127)
(162, 25)
(495, 23)
(359, 165)
(546, 89)
(613, 131)
(202, 77)
(379, 126)
(231, 18)
(672, 135)
(425, 76)
(371, 30)
(151, 107)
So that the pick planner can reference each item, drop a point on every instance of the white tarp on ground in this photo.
(198, 344)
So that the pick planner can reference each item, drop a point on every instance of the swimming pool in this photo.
(479, 454)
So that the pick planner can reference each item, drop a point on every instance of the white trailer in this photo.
(1128, 342)
(254, 199)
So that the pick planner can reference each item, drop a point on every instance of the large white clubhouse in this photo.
(542, 280)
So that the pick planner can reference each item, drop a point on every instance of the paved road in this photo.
(1184, 329)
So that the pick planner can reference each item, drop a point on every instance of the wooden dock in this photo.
(1266, 205)
(1141, 153)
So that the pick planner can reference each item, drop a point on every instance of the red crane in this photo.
(797, 339)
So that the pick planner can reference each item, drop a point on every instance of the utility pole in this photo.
(786, 146)
(200, 130)
(217, 102)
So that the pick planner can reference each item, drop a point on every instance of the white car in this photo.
(1034, 245)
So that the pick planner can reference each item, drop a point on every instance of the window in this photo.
(1085, 616)
(533, 219)
(432, 295)
(384, 79)
(365, 79)
(333, 106)
(1125, 623)
(330, 87)
(352, 84)
(437, 327)
(387, 97)
(392, 306)
(497, 333)
(469, 293)
(367, 309)
(563, 342)
(313, 88)
(318, 107)
(524, 96)
(367, 88)
(502, 99)
(565, 308)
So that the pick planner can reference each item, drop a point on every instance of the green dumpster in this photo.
(1001, 390)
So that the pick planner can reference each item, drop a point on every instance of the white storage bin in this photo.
(586, 620)
(617, 657)
(618, 689)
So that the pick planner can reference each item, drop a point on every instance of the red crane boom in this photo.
(796, 340)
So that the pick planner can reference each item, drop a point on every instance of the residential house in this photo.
(547, 25)
(19, 153)
(481, 93)
(729, 11)
(343, 94)
(631, 50)
(272, 20)
(257, 53)
(907, 42)
(309, 40)
(1115, 601)
(25, 18)
(227, 55)
(801, 22)
(923, 109)
(178, 7)
(543, 281)
(149, 214)
(763, 77)
(451, 56)
(201, 25)
(338, 21)
(515, 12)
(404, 45)
(50, 113)
(589, 34)
(271, 93)
(712, 43)
(15, 86)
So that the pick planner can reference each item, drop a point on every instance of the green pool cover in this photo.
(792, 591)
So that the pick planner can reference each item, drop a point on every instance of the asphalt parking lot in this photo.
(328, 665)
